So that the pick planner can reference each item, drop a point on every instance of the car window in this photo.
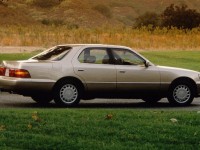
(54, 54)
(126, 57)
(94, 56)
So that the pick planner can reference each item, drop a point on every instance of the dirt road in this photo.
(19, 49)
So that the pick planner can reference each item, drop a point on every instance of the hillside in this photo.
(86, 13)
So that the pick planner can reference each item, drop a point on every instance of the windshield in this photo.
(54, 54)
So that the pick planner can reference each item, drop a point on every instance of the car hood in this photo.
(176, 69)
(178, 72)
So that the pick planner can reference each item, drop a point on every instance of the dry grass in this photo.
(83, 13)
(141, 39)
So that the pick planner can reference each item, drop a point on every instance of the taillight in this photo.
(2, 71)
(19, 73)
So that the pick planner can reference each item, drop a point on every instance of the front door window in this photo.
(126, 57)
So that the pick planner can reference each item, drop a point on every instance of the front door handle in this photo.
(80, 70)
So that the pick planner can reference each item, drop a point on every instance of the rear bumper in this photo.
(25, 85)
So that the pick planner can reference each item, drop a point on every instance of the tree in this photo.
(180, 17)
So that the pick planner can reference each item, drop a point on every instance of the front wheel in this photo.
(67, 93)
(181, 94)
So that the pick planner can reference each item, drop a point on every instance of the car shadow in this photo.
(16, 101)
(102, 105)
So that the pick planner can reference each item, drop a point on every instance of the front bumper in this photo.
(198, 89)
(20, 85)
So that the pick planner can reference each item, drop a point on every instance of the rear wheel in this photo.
(181, 94)
(42, 99)
(67, 93)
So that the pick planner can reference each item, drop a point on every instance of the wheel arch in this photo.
(185, 79)
(70, 78)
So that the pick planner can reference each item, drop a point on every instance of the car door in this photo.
(132, 74)
(94, 68)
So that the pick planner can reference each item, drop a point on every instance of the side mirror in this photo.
(147, 64)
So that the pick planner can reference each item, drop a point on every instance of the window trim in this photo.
(109, 51)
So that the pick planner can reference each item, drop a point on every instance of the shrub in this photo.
(181, 17)
(55, 22)
(148, 19)
(46, 3)
(104, 10)
(3, 2)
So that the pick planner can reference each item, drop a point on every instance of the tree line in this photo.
(180, 17)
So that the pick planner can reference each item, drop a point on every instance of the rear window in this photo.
(54, 54)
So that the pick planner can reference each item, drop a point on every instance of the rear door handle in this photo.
(122, 71)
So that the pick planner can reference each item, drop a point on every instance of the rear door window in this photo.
(94, 56)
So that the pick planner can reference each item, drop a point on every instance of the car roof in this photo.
(95, 45)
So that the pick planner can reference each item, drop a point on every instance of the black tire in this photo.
(67, 93)
(181, 94)
(42, 99)
(151, 100)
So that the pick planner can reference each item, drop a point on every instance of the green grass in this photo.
(16, 56)
(89, 129)
(183, 59)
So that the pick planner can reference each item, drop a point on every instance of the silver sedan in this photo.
(68, 73)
